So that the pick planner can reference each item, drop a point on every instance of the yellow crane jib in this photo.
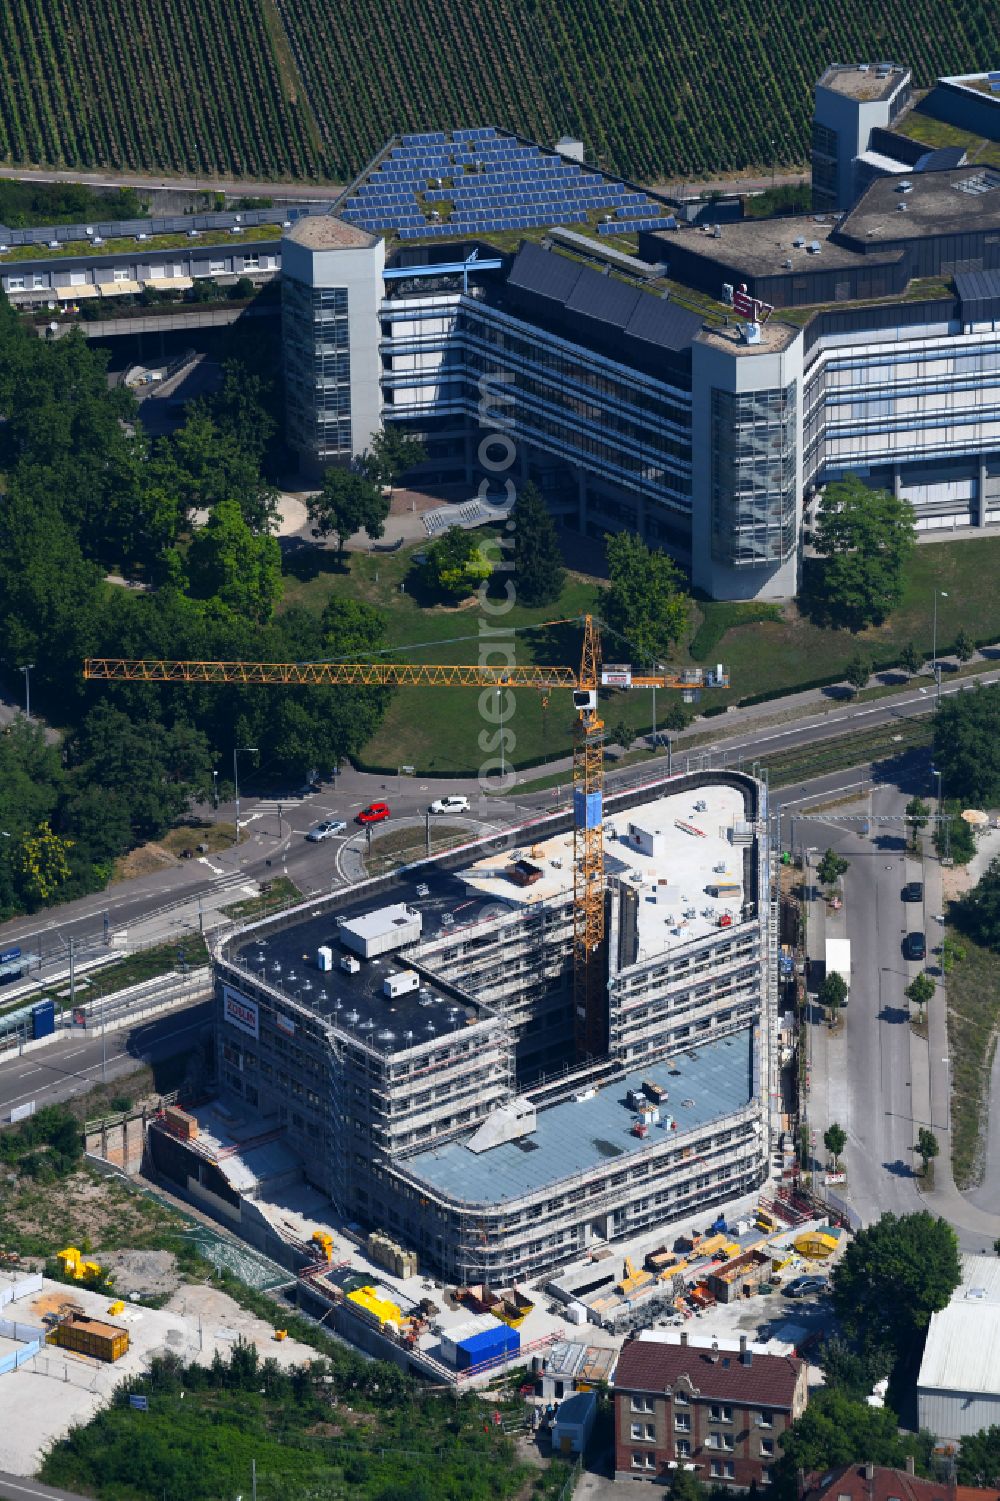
(590, 1010)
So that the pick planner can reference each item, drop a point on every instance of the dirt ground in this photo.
(84, 1210)
(142, 1271)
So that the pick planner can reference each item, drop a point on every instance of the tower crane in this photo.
(588, 756)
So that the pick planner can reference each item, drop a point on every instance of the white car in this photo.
(452, 804)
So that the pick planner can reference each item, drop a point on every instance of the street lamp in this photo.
(236, 781)
(942, 594)
(26, 669)
(215, 793)
(503, 767)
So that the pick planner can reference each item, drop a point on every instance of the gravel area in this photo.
(142, 1271)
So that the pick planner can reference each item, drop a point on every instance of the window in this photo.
(767, 1447)
(716, 1469)
(251, 263)
(765, 1476)
(682, 1422)
(15, 284)
(765, 1419)
(730, 1470)
(644, 1461)
(637, 1430)
(39, 281)
(121, 273)
(721, 1414)
(682, 1449)
(681, 1399)
(216, 268)
(642, 1404)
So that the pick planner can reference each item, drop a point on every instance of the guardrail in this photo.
(159, 994)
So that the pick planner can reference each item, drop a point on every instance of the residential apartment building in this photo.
(718, 1411)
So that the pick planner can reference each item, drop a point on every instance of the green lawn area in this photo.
(42, 251)
(767, 649)
(973, 991)
(935, 133)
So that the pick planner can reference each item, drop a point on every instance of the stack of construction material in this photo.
(386, 1252)
(374, 1308)
(180, 1123)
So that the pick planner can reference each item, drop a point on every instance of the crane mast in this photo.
(589, 1009)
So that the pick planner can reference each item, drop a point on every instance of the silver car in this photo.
(326, 830)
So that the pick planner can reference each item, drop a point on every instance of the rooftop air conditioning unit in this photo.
(901, 207)
(717, 231)
(815, 247)
(905, 186)
(727, 293)
(799, 242)
(786, 265)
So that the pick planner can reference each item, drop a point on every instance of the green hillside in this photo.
(298, 88)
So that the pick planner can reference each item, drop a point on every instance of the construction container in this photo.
(400, 983)
(489, 1344)
(90, 1337)
(382, 930)
(375, 1309)
(180, 1123)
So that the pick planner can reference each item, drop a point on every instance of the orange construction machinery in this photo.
(588, 756)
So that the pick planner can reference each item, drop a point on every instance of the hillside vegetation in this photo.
(303, 88)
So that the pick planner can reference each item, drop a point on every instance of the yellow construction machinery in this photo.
(588, 756)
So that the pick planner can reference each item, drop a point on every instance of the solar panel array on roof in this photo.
(448, 184)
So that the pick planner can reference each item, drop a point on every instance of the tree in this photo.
(835, 1140)
(835, 1428)
(677, 716)
(538, 572)
(979, 1458)
(866, 537)
(685, 1486)
(927, 1147)
(621, 734)
(920, 992)
(965, 647)
(230, 564)
(646, 603)
(952, 953)
(831, 868)
(858, 671)
(844, 1368)
(393, 451)
(954, 839)
(967, 745)
(917, 815)
(892, 1277)
(978, 913)
(910, 659)
(456, 564)
(350, 501)
(833, 994)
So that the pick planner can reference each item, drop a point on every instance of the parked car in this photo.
(451, 804)
(374, 813)
(805, 1287)
(326, 830)
(913, 891)
(915, 946)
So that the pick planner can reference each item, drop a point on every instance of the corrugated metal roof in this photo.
(962, 1352)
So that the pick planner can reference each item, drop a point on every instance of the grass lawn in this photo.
(280, 893)
(767, 649)
(973, 990)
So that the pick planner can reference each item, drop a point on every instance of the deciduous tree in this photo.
(456, 564)
(835, 1140)
(833, 994)
(927, 1147)
(892, 1277)
(350, 501)
(920, 992)
(967, 745)
(866, 537)
(646, 603)
(832, 867)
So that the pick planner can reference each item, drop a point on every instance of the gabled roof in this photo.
(852, 1483)
(655, 1366)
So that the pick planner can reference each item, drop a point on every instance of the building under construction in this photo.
(414, 1038)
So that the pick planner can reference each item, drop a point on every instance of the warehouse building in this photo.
(958, 1389)
(411, 1041)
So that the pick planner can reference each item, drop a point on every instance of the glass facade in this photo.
(754, 476)
(317, 368)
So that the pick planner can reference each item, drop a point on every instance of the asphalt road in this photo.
(76, 1063)
(16, 1488)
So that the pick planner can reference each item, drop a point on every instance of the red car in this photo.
(374, 813)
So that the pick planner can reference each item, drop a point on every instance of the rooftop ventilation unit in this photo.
(786, 265)
(901, 207)
(905, 186)
(717, 231)
(799, 242)
(815, 248)
(863, 67)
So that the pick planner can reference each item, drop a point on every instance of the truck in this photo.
(838, 960)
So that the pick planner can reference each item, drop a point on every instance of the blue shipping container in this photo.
(488, 1344)
(43, 1019)
(587, 810)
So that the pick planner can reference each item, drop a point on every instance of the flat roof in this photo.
(578, 1135)
(865, 82)
(285, 958)
(760, 247)
(954, 202)
(774, 337)
(671, 875)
